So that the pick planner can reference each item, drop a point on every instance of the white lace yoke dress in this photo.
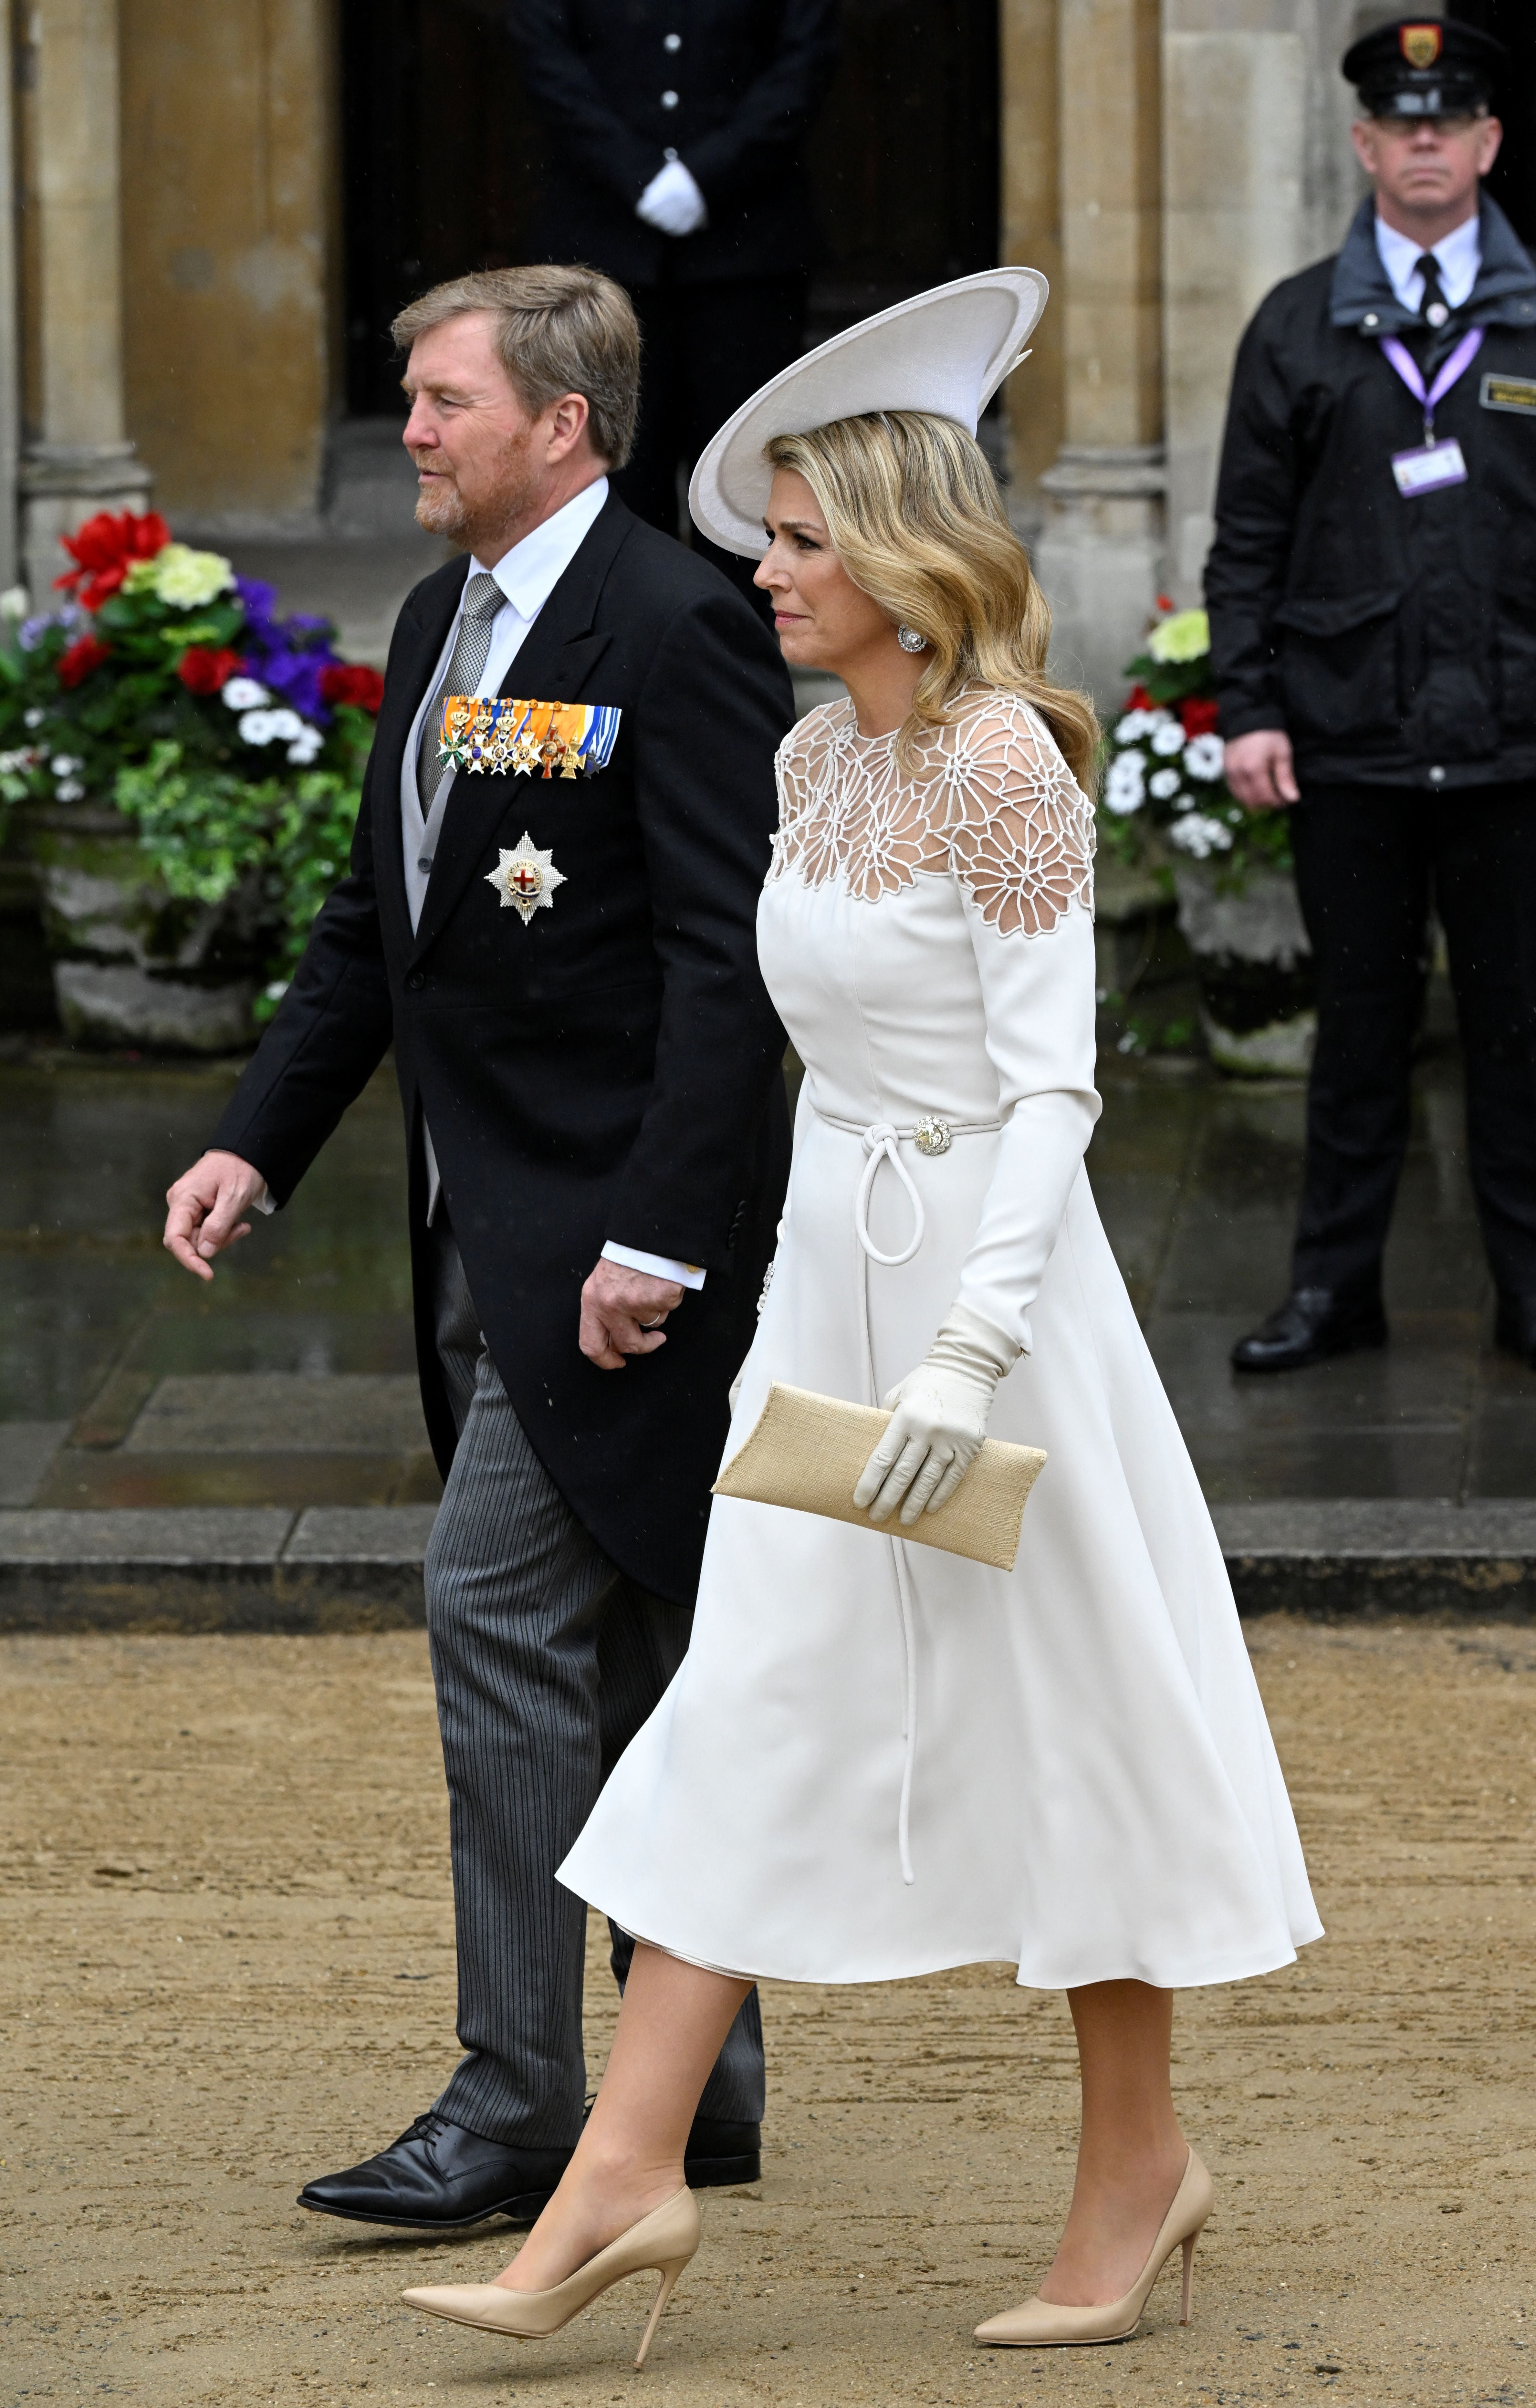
(879, 1759)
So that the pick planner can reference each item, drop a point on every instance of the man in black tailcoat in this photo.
(561, 949)
(1373, 599)
(674, 132)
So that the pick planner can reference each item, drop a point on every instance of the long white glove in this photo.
(937, 1419)
(673, 202)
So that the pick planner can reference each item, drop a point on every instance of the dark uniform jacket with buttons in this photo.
(609, 1070)
(1394, 639)
(726, 86)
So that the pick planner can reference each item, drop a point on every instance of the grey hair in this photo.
(557, 330)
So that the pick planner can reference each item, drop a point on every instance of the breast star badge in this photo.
(527, 879)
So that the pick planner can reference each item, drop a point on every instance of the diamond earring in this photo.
(911, 641)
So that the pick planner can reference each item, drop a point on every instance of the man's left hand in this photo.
(620, 1313)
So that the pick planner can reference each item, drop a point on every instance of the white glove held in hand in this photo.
(938, 1420)
(673, 202)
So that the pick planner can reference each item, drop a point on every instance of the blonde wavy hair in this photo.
(912, 509)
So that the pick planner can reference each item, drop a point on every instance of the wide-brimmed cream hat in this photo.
(946, 351)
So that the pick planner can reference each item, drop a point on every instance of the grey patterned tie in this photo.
(482, 599)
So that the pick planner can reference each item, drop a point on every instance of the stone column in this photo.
(1031, 238)
(77, 459)
(1099, 554)
(1258, 180)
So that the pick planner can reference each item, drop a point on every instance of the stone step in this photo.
(344, 1568)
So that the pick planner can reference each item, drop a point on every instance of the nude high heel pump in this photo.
(661, 2244)
(1042, 2324)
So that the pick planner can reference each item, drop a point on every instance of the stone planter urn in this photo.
(1254, 970)
(134, 965)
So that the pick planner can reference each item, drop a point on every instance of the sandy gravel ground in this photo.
(226, 1965)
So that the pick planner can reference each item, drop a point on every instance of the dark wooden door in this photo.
(1512, 182)
(441, 153)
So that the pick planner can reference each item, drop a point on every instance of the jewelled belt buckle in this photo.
(932, 1134)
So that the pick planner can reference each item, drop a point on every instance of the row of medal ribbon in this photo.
(568, 740)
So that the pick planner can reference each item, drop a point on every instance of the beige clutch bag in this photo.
(807, 1451)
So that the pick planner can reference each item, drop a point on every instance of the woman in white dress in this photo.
(877, 1759)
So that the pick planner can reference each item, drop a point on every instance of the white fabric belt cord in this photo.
(881, 1140)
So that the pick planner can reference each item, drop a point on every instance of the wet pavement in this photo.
(290, 1381)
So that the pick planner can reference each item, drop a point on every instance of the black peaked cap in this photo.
(1424, 66)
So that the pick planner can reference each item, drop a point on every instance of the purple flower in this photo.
(287, 655)
(32, 631)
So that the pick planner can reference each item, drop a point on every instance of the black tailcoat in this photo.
(746, 78)
(609, 1070)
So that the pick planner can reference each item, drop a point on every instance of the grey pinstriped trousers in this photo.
(547, 1659)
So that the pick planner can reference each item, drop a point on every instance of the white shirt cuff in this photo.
(659, 1265)
(262, 1203)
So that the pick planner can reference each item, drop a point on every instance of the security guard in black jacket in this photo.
(674, 132)
(1373, 599)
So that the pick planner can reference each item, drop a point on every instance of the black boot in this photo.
(1515, 1328)
(1311, 1323)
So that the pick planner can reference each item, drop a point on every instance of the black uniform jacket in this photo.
(609, 1070)
(1394, 639)
(748, 76)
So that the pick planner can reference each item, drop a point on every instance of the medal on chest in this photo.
(567, 740)
(527, 879)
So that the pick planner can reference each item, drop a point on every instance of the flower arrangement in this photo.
(166, 686)
(1164, 793)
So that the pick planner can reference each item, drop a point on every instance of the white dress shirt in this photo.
(1459, 255)
(527, 576)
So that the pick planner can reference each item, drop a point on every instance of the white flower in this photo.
(15, 602)
(286, 724)
(1203, 756)
(276, 990)
(306, 744)
(69, 790)
(1200, 834)
(1164, 783)
(1125, 787)
(63, 765)
(259, 727)
(1184, 803)
(1135, 724)
(244, 694)
(1169, 738)
(188, 580)
(33, 718)
(22, 758)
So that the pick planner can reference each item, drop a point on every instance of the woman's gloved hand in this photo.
(938, 1420)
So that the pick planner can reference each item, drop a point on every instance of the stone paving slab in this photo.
(344, 1568)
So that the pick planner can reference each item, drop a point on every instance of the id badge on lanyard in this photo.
(1429, 465)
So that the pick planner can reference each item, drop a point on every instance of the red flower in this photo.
(1138, 700)
(105, 549)
(84, 654)
(1199, 716)
(202, 671)
(1165, 601)
(353, 682)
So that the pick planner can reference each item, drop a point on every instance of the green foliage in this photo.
(207, 829)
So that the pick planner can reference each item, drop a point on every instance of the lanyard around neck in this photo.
(1408, 368)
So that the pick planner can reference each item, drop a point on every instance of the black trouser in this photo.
(1368, 861)
(707, 348)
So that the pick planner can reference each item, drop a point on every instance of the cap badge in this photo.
(1420, 44)
(527, 879)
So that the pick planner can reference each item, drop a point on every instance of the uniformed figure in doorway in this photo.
(673, 130)
(1373, 598)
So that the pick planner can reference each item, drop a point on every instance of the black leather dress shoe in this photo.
(1515, 1328)
(1311, 1324)
(440, 2177)
(723, 2152)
